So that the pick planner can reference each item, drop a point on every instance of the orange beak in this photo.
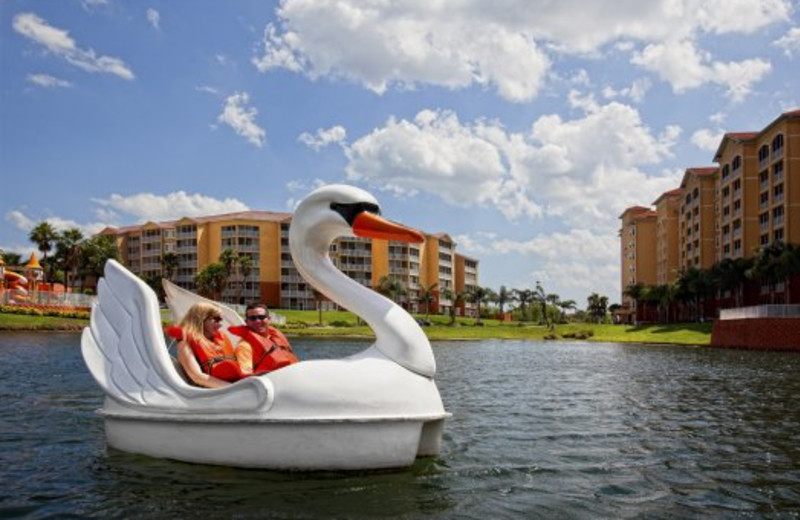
(369, 225)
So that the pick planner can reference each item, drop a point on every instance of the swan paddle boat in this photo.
(379, 408)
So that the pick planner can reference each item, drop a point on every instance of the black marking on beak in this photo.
(350, 211)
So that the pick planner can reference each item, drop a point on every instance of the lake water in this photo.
(539, 430)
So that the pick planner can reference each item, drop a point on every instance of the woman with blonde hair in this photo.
(205, 354)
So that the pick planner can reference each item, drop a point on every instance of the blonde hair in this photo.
(193, 324)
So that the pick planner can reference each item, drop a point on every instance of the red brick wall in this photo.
(757, 333)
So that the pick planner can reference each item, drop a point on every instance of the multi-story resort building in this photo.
(270, 274)
(750, 200)
(638, 251)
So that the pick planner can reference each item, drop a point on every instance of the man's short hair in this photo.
(257, 305)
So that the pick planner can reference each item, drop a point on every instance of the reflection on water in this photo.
(539, 430)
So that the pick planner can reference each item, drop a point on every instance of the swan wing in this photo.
(125, 351)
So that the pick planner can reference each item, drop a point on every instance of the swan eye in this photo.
(350, 211)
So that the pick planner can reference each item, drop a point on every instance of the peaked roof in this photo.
(677, 192)
(33, 263)
(698, 171)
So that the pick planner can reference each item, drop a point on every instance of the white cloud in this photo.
(206, 89)
(575, 263)
(718, 117)
(154, 18)
(706, 139)
(559, 168)
(58, 42)
(635, 92)
(789, 42)
(503, 46)
(241, 118)
(26, 223)
(334, 135)
(149, 206)
(48, 81)
(685, 67)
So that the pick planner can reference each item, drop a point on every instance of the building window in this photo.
(777, 145)
(736, 163)
(763, 154)
(725, 172)
(764, 240)
(779, 235)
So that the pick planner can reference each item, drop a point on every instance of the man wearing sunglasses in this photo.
(262, 348)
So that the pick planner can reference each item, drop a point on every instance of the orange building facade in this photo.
(730, 211)
(263, 237)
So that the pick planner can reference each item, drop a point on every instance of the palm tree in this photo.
(212, 280)
(94, 254)
(229, 259)
(554, 300)
(478, 295)
(597, 306)
(524, 297)
(457, 297)
(68, 249)
(504, 296)
(246, 265)
(566, 305)
(540, 297)
(427, 295)
(169, 263)
(635, 291)
(43, 235)
(391, 287)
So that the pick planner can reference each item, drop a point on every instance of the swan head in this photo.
(339, 210)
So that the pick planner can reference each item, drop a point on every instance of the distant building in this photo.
(263, 236)
(730, 211)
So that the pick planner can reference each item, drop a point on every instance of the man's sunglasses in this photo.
(261, 317)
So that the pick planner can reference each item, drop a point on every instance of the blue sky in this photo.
(521, 128)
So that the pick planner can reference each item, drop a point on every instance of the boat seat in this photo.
(181, 372)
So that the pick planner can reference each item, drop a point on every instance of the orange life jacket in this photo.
(270, 352)
(219, 362)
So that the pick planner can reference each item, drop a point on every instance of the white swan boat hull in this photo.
(283, 445)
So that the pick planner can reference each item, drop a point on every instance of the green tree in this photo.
(479, 295)
(504, 296)
(427, 295)
(566, 305)
(524, 297)
(229, 260)
(392, 288)
(169, 263)
(597, 307)
(44, 235)
(457, 297)
(540, 297)
(211, 280)
(95, 252)
(11, 258)
(68, 253)
(246, 265)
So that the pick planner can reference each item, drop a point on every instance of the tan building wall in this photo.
(737, 196)
(638, 254)
(667, 246)
(466, 280)
(697, 219)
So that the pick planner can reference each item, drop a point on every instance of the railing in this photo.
(50, 298)
(760, 311)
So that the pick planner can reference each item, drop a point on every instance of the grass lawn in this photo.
(24, 322)
(342, 323)
(346, 324)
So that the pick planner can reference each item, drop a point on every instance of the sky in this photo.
(521, 128)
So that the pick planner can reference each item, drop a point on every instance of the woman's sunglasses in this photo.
(260, 317)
